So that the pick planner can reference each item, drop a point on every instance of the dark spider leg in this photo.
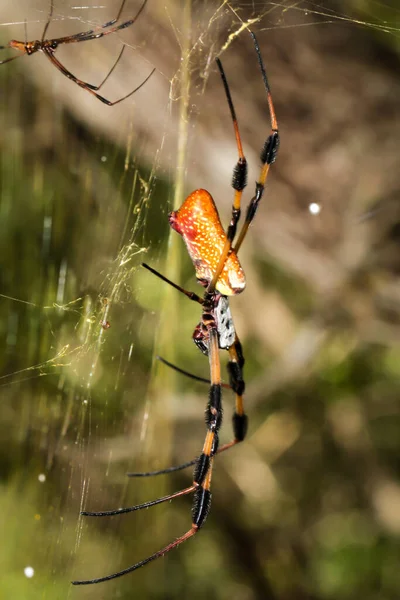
(47, 22)
(185, 465)
(213, 417)
(203, 470)
(267, 156)
(97, 87)
(96, 33)
(190, 295)
(239, 182)
(181, 467)
(182, 371)
(2, 62)
(187, 374)
(50, 55)
(121, 511)
(86, 85)
(154, 556)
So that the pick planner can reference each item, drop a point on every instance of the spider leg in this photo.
(50, 55)
(97, 87)
(2, 62)
(235, 370)
(267, 156)
(187, 374)
(96, 33)
(192, 531)
(239, 182)
(190, 295)
(185, 465)
(121, 511)
(50, 15)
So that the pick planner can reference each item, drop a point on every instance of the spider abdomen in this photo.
(198, 222)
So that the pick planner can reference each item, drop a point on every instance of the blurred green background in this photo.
(309, 505)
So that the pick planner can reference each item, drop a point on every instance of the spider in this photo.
(49, 47)
(215, 257)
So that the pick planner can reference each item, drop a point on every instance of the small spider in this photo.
(215, 258)
(49, 47)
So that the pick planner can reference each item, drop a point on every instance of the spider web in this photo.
(86, 190)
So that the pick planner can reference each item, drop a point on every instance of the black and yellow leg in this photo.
(239, 418)
(268, 154)
(203, 468)
(213, 416)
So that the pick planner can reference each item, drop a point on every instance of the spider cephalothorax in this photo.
(216, 308)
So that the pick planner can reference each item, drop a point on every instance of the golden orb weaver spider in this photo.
(218, 269)
(49, 47)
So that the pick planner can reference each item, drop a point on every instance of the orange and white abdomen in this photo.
(198, 222)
